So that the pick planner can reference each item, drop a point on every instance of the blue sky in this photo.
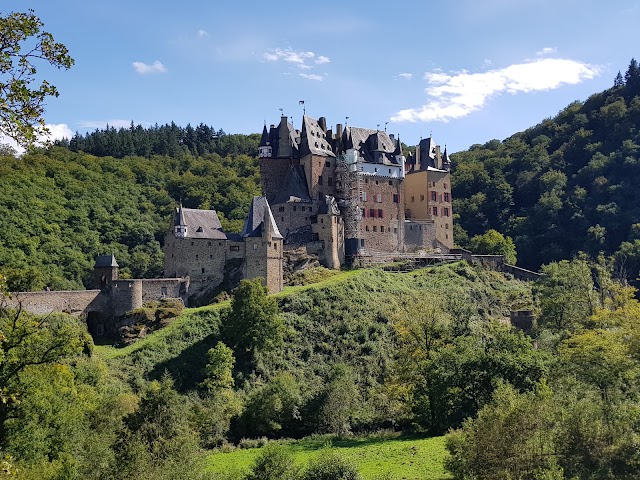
(466, 71)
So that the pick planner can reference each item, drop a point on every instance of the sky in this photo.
(463, 71)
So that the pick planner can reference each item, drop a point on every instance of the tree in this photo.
(23, 42)
(618, 81)
(253, 324)
(331, 466)
(494, 243)
(219, 369)
(632, 76)
(274, 461)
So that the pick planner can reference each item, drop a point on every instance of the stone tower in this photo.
(105, 271)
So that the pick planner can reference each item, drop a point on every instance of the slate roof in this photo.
(264, 141)
(373, 145)
(254, 224)
(313, 138)
(294, 187)
(103, 261)
(200, 223)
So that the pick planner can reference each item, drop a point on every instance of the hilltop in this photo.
(565, 185)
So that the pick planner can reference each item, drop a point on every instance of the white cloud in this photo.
(144, 68)
(57, 131)
(322, 59)
(406, 76)
(288, 55)
(547, 51)
(459, 94)
(311, 76)
(303, 66)
(203, 34)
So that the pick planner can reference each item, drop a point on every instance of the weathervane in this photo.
(281, 112)
(385, 126)
(346, 120)
(304, 109)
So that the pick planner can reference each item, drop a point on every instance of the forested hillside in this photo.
(59, 209)
(566, 185)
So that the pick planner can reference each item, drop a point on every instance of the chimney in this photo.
(392, 137)
(322, 122)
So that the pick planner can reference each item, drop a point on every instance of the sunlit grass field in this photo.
(396, 456)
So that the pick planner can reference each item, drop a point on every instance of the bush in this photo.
(331, 466)
(274, 462)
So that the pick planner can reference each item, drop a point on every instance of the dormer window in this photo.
(180, 231)
(200, 230)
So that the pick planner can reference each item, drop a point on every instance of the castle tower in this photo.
(105, 271)
(399, 156)
(180, 227)
(264, 149)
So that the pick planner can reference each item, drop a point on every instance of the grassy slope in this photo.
(402, 457)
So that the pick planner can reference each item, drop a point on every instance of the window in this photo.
(389, 173)
(390, 181)
(320, 180)
(255, 246)
(366, 228)
(234, 248)
(363, 196)
(435, 211)
(203, 270)
(375, 170)
(281, 209)
(396, 198)
(381, 229)
(275, 246)
(366, 180)
(362, 242)
(376, 182)
(445, 185)
(445, 211)
(209, 243)
(447, 198)
(196, 257)
(379, 213)
(375, 229)
(210, 257)
(192, 244)
(395, 230)
(422, 198)
(446, 226)
(434, 196)
(364, 213)
(327, 164)
(330, 181)
(282, 219)
(379, 198)
(372, 212)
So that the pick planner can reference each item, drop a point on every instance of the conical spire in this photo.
(398, 150)
(264, 141)
(181, 220)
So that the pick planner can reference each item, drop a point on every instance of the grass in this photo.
(402, 457)
(189, 315)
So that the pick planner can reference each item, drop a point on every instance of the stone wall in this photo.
(264, 260)
(201, 259)
(291, 216)
(161, 288)
(75, 302)
(125, 296)
(419, 234)
(382, 196)
(330, 231)
(273, 172)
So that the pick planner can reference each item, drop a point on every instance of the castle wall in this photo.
(291, 216)
(321, 176)
(125, 296)
(419, 234)
(330, 230)
(264, 259)
(428, 197)
(160, 288)
(273, 172)
(383, 215)
(75, 302)
(201, 259)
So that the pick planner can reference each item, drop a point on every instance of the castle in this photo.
(354, 190)
(338, 195)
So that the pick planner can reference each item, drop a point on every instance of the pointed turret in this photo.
(446, 162)
(180, 227)
(264, 149)
(397, 153)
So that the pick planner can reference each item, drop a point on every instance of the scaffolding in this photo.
(349, 193)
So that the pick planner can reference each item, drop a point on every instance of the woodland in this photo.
(425, 353)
